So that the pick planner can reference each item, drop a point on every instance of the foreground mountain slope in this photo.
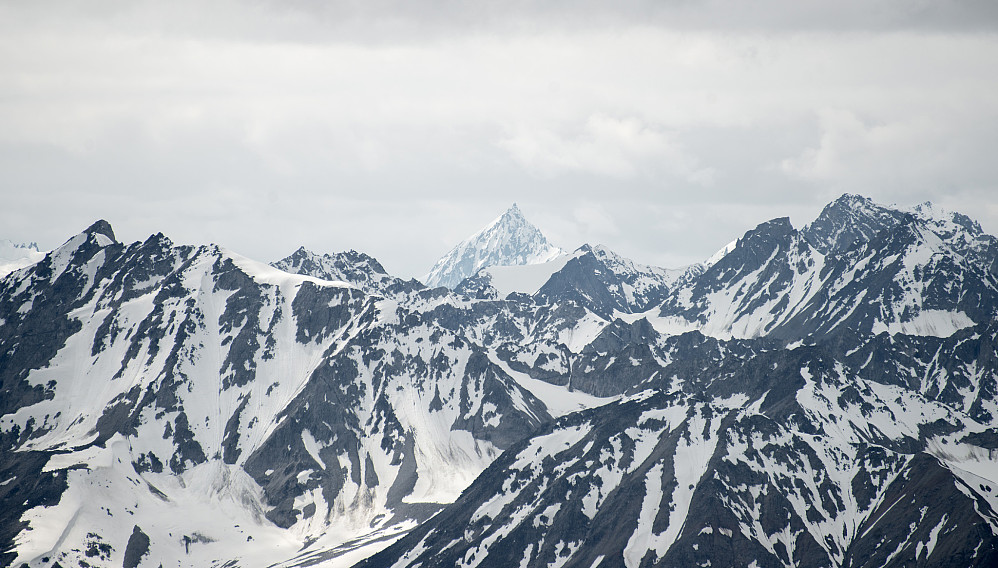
(874, 445)
(288, 410)
(764, 457)
(508, 240)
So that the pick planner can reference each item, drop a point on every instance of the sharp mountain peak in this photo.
(508, 240)
(101, 227)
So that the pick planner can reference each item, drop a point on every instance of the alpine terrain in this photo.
(821, 396)
(508, 240)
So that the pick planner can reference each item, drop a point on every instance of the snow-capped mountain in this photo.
(352, 267)
(592, 276)
(916, 270)
(606, 282)
(850, 220)
(229, 401)
(14, 256)
(507, 241)
(917, 274)
(853, 220)
(825, 396)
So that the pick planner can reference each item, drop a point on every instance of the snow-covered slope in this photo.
(184, 405)
(500, 281)
(853, 220)
(592, 276)
(755, 456)
(607, 283)
(507, 241)
(283, 412)
(354, 268)
(848, 221)
(928, 273)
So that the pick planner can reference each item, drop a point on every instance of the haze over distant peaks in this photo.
(14, 256)
(507, 241)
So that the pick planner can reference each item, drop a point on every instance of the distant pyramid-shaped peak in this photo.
(508, 240)
(511, 218)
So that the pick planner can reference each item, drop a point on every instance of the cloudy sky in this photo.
(660, 128)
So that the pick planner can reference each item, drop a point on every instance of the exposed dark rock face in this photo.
(849, 221)
(777, 459)
(353, 267)
(198, 358)
(912, 276)
(606, 283)
(137, 547)
(478, 286)
(815, 397)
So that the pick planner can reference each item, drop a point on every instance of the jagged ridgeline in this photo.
(816, 397)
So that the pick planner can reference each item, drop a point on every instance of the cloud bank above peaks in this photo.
(620, 148)
(265, 125)
(394, 21)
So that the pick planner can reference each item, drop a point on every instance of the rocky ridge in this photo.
(823, 396)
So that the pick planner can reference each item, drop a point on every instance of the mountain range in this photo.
(824, 396)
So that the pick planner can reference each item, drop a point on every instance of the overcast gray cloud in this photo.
(661, 129)
(392, 21)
